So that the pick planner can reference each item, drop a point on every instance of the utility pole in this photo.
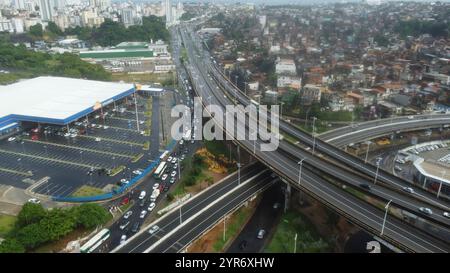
(367, 152)
(300, 170)
(314, 134)
(239, 165)
(385, 216)
(295, 243)
(376, 174)
(136, 110)
(224, 228)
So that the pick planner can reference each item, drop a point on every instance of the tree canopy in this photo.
(37, 226)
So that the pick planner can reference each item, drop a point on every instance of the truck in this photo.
(154, 195)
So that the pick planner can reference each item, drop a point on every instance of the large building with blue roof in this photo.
(55, 100)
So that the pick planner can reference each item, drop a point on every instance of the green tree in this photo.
(36, 31)
(11, 245)
(30, 213)
(91, 215)
(33, 235)
(54, 29)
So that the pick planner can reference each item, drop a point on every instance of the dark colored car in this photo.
(243, 245)
(135, 227)
(166, 187)
(364, 186)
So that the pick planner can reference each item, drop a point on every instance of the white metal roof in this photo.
(56, 97)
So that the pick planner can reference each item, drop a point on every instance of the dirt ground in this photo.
(205, 243)
(318, 215)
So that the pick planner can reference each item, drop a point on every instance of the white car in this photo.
(34, 201)
(410, 117)
(426, 210)
(174, 160)
(143, 213)
(142, 195)
(169, 159)
(155, 186)
(11, 139)
(98, 139)
(173, 174)
(123, 239)
(153, 229)
(446, 214)
(151, 206)
(106, 127)
(164, 177)
(138, 172)
(127, 214)
(408, 189)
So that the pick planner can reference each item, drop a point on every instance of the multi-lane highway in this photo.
(288, 168)
(174, 220)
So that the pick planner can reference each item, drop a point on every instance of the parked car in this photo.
(34, 201)
(173, 174)
(155, 186)
(169, 159)
(172, 180)
(446, 214)
(164, 177)
(11, 139)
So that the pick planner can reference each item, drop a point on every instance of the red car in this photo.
(34, 137)
(125, 201)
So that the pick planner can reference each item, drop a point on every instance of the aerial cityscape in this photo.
(224, 127)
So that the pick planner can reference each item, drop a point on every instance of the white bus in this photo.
(164, 155)
(95, 241)
(160, 170)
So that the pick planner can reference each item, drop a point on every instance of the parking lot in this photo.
(87, 152)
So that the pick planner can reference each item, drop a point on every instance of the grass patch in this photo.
(233, 226)
(117, 170)
(87, 191)
(137, 158)
(7, 223)
(146, 146)
(308, 239)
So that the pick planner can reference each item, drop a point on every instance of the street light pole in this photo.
(295, 243)
(314, 134)
(224, 228)
(385, 216)
(300, 170)
(367, 152)
(376, 174)
(239, 165)
(440, 185)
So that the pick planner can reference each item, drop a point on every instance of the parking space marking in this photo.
(47, 159)
(78, 148)
(11, 171)
(116, 141)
